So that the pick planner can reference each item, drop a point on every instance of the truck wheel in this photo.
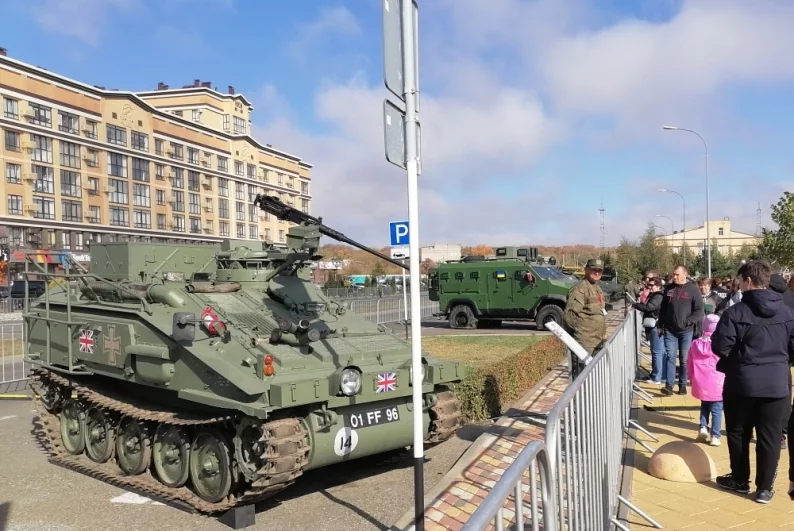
(461, 316)
(548, 313)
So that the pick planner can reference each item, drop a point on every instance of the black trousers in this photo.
(766, 415)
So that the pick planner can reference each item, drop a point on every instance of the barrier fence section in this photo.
(377, 311)
(584, 444)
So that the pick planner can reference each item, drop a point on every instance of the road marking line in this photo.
(8, 417)
(133, 498)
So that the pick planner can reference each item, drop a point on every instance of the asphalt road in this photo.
(361, 495)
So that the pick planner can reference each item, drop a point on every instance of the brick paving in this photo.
(453, 506)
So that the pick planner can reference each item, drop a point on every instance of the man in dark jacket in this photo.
(755, 343)
(680, 314)
(778, 283)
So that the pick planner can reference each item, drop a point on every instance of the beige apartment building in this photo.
(723, 238)
(85, 164)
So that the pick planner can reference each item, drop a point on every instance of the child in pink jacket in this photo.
(707, 382)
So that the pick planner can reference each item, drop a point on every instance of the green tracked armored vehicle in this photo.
(214, 376)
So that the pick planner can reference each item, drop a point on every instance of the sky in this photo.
(534, 114)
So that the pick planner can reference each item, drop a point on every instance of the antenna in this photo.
(602, 227)
(758, 220)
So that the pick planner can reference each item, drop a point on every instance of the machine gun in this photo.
(273, 205)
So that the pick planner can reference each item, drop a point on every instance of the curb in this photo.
(406, 522)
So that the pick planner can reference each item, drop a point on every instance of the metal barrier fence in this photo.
(377, 311)
(12, 305)
(368, 293)
(584, 441)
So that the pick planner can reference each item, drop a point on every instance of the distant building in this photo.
(440, 253)
(727, 240)
(323, 271)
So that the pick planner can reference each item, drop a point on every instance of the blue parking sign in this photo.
(398, 233)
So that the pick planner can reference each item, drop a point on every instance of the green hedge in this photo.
(487, 392)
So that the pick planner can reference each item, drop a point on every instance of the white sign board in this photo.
(400, 253)
(570, 342)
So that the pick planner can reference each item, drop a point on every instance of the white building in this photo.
(727, 240)
(440, 253)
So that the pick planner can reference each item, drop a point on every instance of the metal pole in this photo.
(405, 303)
(412, 165)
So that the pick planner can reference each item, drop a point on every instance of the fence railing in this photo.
(368, 292)
(378, 311)
(12, 305)
(584, 441)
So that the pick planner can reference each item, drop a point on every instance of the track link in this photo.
(285, 444)
(446, 416)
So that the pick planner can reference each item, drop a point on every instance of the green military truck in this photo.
(479, 292)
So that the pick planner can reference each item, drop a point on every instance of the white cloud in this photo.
(84, 20)
(330, 21)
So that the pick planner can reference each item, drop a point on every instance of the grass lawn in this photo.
(478, 350)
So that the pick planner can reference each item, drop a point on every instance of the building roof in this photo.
(137, 99)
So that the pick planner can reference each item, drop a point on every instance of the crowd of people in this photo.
(733, 339)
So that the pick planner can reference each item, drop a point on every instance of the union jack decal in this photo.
(86, 341)
(386, 382)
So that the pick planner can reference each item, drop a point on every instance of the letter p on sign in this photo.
(398, 233)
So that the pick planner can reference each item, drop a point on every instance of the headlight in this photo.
(350, 383)
(411, 374)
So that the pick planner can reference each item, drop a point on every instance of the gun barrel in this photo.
(273, 205)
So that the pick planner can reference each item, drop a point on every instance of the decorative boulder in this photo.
(682, 462)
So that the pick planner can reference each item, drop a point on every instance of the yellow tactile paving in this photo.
(698, 506)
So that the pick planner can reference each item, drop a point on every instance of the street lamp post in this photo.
(683, 221)
(708, 231)
(672, 228)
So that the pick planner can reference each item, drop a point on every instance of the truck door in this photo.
(500, 291)
(525, 288)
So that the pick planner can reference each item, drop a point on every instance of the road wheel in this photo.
(548, 313)
(461, 316)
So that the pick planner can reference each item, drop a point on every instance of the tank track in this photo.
(285, 454)
(446, 416)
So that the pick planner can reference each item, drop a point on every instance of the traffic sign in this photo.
(393, 60)
(398, 233)
(400, 253)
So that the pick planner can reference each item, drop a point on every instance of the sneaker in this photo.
(764, 496)
(715, 441)
(667, 390)
(727, 482)
(703, 434)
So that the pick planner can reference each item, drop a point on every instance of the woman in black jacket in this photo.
(650, 315)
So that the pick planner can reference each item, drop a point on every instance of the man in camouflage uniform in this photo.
(585, 313)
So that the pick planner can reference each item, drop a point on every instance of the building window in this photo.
(12, 141)
(40, 114)
(252, 211)
(45, 208)
(13, 173)
(223, 187)
(176, 174)
(70, 154)
(192, 155)
(117, 165)
(42, 148)
(223, 227)
(140, 195)
(71, 211)
(176, 151)
(193, 180)
(160, 195)
(158, 146)
(140, 170)
(116, 135)
(179, 223)
(195, 203)
(305, 188)
(223, 163)
(70, 184)
(226, 122)
(119, 192)
(223, 208)
(90, 129)
(239, 191)
(15, 205)
(178, 198)
(68, 122)
(720, 232)
(265, 176)
(140, 141)
(196, 115)
(251, 171)
(159, 172)
(143, 219)
(239, 168)
(281, 235)
(92, 158)
(93, 186)
(239, 125)
(267, 235)
(11, 108)
(253, 232)
(94, 214)
(45, 182)
(305, 205)
(161, 221)
(241, 231)
(195, 225)
(119, 216)
(240, 211)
